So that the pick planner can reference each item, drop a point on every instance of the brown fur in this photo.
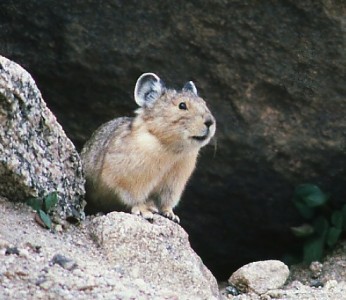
(143, 163)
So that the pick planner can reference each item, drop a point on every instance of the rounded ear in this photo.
(190, 87)
(148, 89)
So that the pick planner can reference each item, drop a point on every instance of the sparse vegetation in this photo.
(43, 206)
(324, 225)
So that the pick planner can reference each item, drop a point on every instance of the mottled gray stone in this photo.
(158, 253)
(260, 276)
(36, 157)
(272, 73)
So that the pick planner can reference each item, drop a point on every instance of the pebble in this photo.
(12, 250)
(316, 269)
(24, 253)
(4, 244)
(63, 262)
(58, 228)
(330, 284)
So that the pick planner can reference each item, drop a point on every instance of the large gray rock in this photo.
(158, 253)
(36, 157)
(273, 73)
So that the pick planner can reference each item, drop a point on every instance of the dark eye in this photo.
(182, 105)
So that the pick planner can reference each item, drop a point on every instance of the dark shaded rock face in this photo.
(273, 73)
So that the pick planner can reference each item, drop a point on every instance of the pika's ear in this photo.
(148, 89)
(190, 87)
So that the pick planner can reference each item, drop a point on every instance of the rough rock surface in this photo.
(260, 276)
(36, 157)
(88, 273)
(273, 73)
(68, 264)
(157, 252)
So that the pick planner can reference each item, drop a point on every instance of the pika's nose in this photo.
(208, 122)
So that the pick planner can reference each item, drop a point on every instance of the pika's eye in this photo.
(182, 105)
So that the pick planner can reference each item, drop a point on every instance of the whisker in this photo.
(214, 140)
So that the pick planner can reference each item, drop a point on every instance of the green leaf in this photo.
(321, 226)
(45, 219)
(310, 195)
(316, 199)
(302, 230)
(333, 236)
(337, 219)
(313, 249)
(35, 203)
(50, 201)
(304, 190)
(305, 211)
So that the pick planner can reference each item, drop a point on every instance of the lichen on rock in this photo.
(36, 156)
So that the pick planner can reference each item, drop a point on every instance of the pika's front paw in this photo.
(171, 215)
(144, 211)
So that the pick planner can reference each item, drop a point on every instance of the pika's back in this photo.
(95, 148)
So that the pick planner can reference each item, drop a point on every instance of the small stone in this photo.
(63, 262)
(11, 250)
(46, 284)
(260, 277)
(276, 294)
(24, 253)
(4, 244)
(330, 284)
(316, 269)
(58, 228)
(316, 283)
(41, 279)
(35, 248)
(231, 290)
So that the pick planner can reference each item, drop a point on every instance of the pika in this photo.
(142, 164)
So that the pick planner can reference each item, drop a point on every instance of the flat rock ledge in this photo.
(36, 156)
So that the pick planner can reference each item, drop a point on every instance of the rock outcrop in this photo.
(36, 157)
(132, 259)
(158, 253)
(273, 74)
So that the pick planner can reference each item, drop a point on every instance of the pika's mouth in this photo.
(200, 138)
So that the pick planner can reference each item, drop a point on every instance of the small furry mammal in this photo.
(143, 163)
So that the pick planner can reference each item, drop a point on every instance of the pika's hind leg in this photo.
(136, 203)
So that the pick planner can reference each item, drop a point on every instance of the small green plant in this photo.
(43, 206)
(323, 226)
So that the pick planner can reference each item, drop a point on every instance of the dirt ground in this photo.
(36, 263)
(66, 264)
